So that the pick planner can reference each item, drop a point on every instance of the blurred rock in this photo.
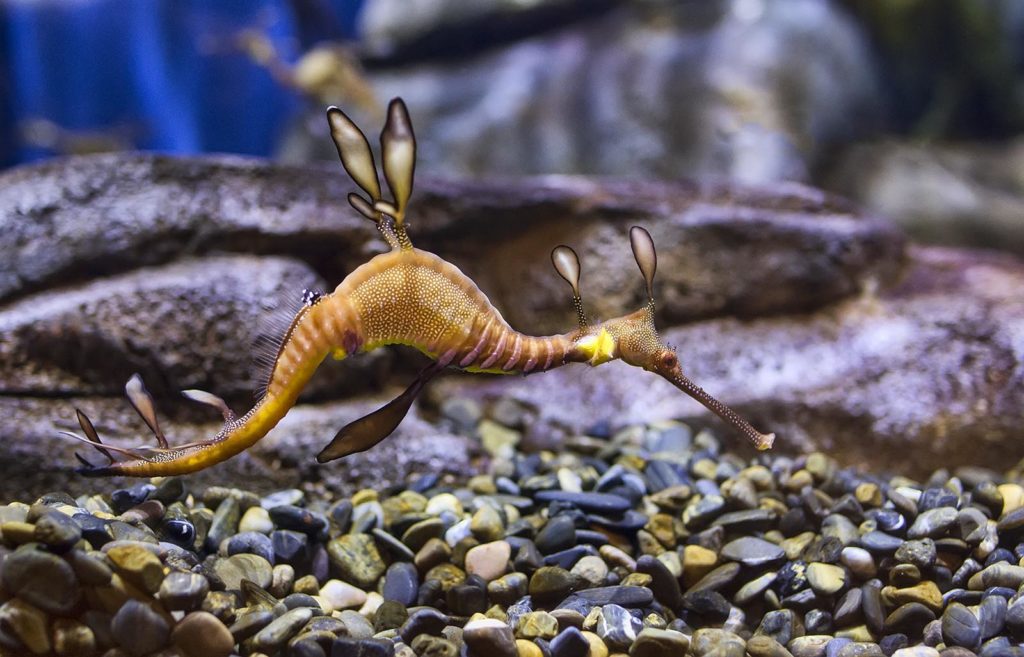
(948, 69)
(925, 374)
(722, 249)
(73, 219)
(959, 194)
(191, 324)
(393, 28)
(746, 90)
(37, 460)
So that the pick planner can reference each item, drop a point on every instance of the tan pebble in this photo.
(704, 468)
(662, 527)
(698, 561)
(373, 601)
(648, 544)
(482, 485)
(138, 566)
(798, 481)
(868, 494)
(537, 625)
(860, 633)
(617, 557)
(201, 634)
(597, 646)
(435, 551)
(72, 638)
(797, 544)
(486, 524)
(927, 593)
(307, 584)
(325, 604)
(256, 519)
(489, 560)
(282, 580)
(526, 648)
(444, 502)
(364, 495)
(16, 532)
(637, 579)
(448, 574)
(27, 623)
(765, 646)
(673, 562)
(496, 438)
(1013, 497)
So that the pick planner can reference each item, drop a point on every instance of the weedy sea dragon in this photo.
(410, 297)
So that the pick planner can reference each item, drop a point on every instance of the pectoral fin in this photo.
(362, 434)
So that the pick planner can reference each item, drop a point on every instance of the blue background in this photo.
(160, 74)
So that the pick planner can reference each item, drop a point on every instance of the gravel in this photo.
(650, 541)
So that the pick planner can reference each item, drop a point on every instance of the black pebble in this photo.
(466, 599)
(425, 482)
(558, 534)
(570, 643)
(624, 596)
(252, 543)
(817, 621)
(346, 647)
(180, 532)
(341, 515)
(94, 530)
(290, 547)
(528, 558)
(711, 606)
(123, 499)
(423, 621)
(568, 558)
(890, 643)
(593, 502)
(664, 585)
(992, 615)
(288, 516)
(401, 583)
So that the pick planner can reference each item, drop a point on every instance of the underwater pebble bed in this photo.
(650, 542)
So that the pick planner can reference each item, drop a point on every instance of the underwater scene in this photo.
(505, 328)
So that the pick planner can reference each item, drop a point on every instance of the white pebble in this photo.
(569, 481)
(457, 532)
(342, 595)
(373, 601)
(256, 519)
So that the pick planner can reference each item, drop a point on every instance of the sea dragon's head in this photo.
(634, 339)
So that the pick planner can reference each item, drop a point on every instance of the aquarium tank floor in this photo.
(649, 541)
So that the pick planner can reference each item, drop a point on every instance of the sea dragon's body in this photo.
(410, 297)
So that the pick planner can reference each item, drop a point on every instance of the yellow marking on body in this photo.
(598, 348)
(338, 353)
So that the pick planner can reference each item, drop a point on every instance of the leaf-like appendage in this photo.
(354, 151)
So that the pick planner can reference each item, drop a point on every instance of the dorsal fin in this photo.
(276, 327)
